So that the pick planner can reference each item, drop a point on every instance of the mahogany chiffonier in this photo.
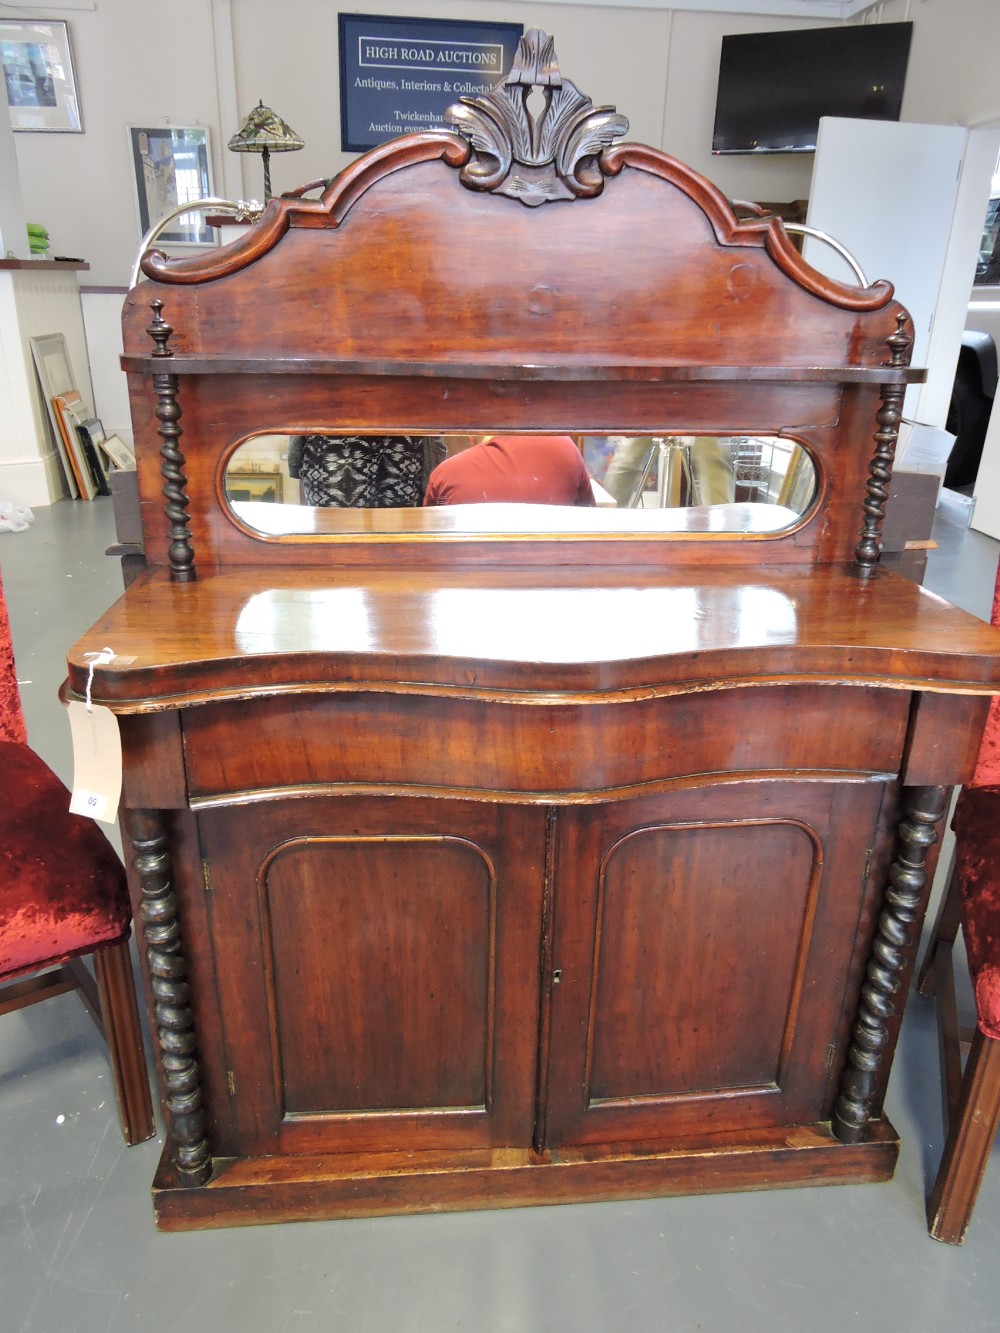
(503, 853)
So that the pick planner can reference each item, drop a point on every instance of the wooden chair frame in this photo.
(971, 1097)
(109, 998)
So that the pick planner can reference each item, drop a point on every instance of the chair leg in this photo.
(940, 972)
(946, 926)
(116, 986)
(88, 992)
(969, 1141)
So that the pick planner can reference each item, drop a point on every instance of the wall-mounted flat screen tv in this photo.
(775, 86)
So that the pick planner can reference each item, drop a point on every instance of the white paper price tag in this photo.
(97, 762)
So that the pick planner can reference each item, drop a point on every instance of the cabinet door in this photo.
(704, 945)
(378, 976)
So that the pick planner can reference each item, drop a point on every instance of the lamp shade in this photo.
(265, 132)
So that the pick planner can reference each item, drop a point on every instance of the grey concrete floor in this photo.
(79, 1252)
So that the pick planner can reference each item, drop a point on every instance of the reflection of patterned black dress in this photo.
(362, 472)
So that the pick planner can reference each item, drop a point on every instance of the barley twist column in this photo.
(173, 1020)
(923, 811)
(868, 549)
(168, 413)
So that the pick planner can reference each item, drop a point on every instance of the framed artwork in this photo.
(172, 166)
(52, 363)
(90, 434)
(265, 486)
(71, 412)
(55, 375)
(401, 74)
(598, 451)
(38, 75)
(117, 452)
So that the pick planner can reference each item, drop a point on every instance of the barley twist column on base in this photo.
(173, 1025)
(923, 810)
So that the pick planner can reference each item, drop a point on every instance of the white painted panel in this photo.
(950, 317)
(888, 191)
(35, 301)
(30, 473)
(48, 301)
(102, 318)
(986, 514)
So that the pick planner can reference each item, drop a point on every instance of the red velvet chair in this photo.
(63, 895)
(972, 904)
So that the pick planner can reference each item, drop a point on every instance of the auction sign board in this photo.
(398, 75)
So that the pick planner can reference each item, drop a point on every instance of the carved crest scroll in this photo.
(537, 155)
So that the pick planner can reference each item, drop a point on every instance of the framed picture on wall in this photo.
(38, 76)
(401, 74)
(172, 165)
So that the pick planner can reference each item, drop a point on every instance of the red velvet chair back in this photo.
(63, 894)
(12, 726)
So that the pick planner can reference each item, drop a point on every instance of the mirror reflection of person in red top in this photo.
(518, 469)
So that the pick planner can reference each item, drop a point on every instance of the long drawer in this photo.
(538, 748)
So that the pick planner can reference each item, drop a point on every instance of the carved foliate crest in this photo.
(535, 156)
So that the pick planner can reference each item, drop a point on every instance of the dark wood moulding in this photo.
(554, 371)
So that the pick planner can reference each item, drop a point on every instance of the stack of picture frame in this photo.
(85, 452)
(72, 419)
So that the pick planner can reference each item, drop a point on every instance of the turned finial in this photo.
(899, 342)
(159, 330)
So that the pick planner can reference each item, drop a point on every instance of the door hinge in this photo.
(231, 1080)
(205, 877)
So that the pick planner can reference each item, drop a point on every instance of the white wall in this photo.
(206, 62)
(23, 477)
(952, 74)
(13, 232)
(658, 66)
(136, 63)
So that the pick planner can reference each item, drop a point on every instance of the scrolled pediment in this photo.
(535, 153)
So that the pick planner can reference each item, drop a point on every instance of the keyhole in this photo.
(557, 976)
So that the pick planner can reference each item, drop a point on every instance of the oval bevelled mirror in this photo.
(332, 483)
